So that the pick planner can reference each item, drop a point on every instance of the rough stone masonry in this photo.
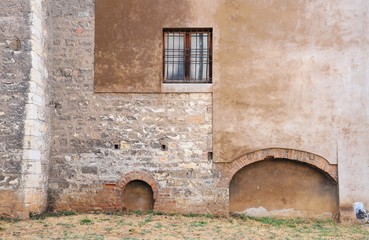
(24, 117)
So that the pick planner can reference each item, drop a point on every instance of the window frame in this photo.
(187, 55)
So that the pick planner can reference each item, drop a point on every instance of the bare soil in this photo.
(157, 226)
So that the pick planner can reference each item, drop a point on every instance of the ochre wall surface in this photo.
(292, 74)
(129, 43)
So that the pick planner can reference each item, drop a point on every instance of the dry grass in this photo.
(158, 226)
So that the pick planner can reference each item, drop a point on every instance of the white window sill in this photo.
(186, 87)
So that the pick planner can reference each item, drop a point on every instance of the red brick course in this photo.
(227, 170)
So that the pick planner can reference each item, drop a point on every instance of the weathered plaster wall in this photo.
(294, 74)
(86, 126)
(129, 43)
(299, 79)
(23, 108)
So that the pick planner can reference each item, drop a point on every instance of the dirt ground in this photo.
(158, 226)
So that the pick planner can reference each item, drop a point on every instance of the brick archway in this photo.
(228, 170)
(142, 176)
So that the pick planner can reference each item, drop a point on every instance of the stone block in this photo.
(32, 155)
(89, 169)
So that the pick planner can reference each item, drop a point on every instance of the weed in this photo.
(147, 220)
(158, 213)
(190, 215)
(277, 222)
(210, 216)
(104, 220)
(198, 224)
(99, 237)
(2, 229)
(44, 215)
(5, 219)
(358, 229)
(66, 235)
(85, 221)
(108, 229)
(216, 229)
(138, 212)
(66, 225)
(144, 231)
(121, 222)
(158, 225)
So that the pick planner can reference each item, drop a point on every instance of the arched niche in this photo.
(138, 195)
(139, 190)
(283, 187)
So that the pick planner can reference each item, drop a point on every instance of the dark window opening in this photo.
(187, 55)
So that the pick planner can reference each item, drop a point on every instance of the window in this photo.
(187, 55)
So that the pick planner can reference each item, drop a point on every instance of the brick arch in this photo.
(142, 176)
(227, 172)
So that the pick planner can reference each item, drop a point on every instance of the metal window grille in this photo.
(187, 55)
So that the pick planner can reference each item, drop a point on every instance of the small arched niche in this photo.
(138, 195)
(281, 187)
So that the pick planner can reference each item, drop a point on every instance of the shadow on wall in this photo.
(281, 187)
(138, 195)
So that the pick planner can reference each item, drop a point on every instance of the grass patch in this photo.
(86, 221)
(44, 215)
(206, 215)
(147, 220)
(158, 225)
(66, 225)
(147, 225)
(277, 222)
(6, 219)
(198, 224)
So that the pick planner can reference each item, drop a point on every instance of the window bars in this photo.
(187, 55)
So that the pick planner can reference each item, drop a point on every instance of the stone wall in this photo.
(98, 139)
(37, 118)
(23, 108)
(315, 101)
(14, 81)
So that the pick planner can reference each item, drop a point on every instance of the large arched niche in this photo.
(281, 182)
